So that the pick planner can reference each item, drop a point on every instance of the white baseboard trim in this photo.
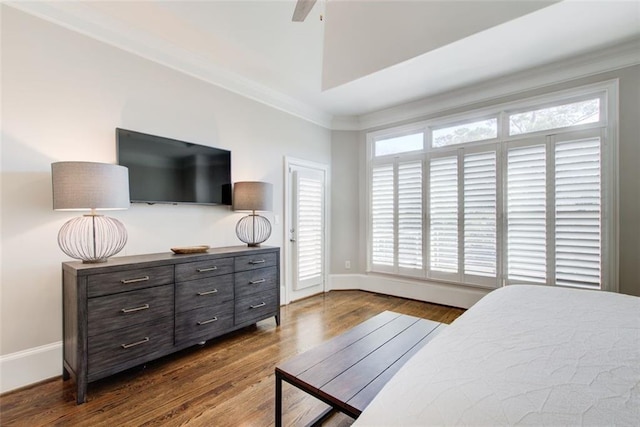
(30, 366)
(40, 363)
(421, 290)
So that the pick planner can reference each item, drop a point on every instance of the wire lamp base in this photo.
(92, 238)
(253, 229)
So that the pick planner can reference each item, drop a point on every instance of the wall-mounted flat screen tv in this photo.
(164, 170)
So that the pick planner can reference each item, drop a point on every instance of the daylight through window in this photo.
(516, 197)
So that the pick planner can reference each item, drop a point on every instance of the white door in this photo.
(306, 229)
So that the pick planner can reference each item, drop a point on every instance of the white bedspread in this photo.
(532, 355)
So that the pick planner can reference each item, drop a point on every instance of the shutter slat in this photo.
(526, 214)
(309, 233)
(383, 216)
(410, 215)
(443, 214)
(480, 214)
(578, 198)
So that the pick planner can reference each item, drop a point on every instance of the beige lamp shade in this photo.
(252, 196)
(89, 185)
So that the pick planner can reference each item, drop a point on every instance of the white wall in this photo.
(63, 95)
(345, 203)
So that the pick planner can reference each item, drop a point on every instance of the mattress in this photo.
(523, 355)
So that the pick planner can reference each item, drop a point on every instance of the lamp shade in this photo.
(89, 185)
(252, 196)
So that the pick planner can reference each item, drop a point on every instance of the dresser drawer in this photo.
(251, 262)
(253, 281)
(124, 348)
(255, 307)
(117, 311)
(123, 281)
(202, 269)
(203, 323)
(204, 292)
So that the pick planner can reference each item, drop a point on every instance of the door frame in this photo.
(286, 250)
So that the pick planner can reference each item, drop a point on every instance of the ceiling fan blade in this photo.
(303, 7)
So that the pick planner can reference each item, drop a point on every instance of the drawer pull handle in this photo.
(255, 282)
(262, 304)
(201, 294)
(204, 322)
(133, 344)
(259, 261)
(139, 279)
(131, 310)
(204, 270)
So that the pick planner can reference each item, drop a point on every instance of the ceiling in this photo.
(363, 56)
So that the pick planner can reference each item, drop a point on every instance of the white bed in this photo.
(532, 355)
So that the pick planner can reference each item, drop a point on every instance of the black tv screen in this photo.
(164, 170)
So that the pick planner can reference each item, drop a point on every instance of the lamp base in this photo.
(253, 229)
(92, 238)
(92, 261)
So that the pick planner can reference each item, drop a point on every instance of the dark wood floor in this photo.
(227, 382)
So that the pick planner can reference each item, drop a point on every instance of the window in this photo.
(527, 214)
(396, 226)
(518, 197)
(399, 144)
(410, 215)
(578, 212)
(383, 216)
(443, 215)
(480, 210)
(309, 220)
(467, 132)
(559, 116)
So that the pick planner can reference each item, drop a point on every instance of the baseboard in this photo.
(30, 366)
(439, 293)
(40, 363)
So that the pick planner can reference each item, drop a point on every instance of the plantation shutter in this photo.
(480, 210)
(308, 228)
(526, 214)
(578, 213)
(524, 193)
(410, 215)
(382, 216)
(309, 224)
(443, 215)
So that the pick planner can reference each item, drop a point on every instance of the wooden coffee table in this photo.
(348, 371)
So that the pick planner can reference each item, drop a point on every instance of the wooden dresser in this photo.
(134, 309)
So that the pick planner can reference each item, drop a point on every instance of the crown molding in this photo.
(600, 61)
(114, 33)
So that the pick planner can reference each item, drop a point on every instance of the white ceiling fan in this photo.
(303, 7)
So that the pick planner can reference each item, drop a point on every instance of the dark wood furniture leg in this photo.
(278, 399)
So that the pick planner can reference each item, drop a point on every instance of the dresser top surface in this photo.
(164, 258)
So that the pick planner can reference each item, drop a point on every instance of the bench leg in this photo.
(278, 400)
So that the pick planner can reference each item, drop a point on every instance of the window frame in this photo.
(606, 91)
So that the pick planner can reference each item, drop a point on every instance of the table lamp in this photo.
(253, 196)
(90, 186)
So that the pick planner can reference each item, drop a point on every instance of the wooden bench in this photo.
(348, 371)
